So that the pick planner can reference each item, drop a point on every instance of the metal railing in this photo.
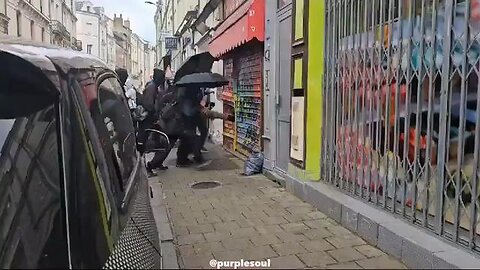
(76, 44)
(58, 28)
(402, 109)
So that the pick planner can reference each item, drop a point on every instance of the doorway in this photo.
(284, 46)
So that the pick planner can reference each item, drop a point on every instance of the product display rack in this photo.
(248, 104)
(242, 98)
(228, 106)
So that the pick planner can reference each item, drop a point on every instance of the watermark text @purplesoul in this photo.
(239, 264)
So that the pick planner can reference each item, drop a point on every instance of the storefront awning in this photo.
(245, 24)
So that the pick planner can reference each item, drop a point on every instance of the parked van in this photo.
(73, 188)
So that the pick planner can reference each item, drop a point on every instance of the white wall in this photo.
(103, 39)
(111, 53)
(88, 31)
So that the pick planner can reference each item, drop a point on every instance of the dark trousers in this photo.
(189, 141)
(160, 156)
(184, 149)
(142, 135)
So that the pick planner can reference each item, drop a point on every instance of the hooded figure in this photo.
(152, 89)
(122, 75)
(151, 97)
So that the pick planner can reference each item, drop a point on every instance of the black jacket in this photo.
(149, 97)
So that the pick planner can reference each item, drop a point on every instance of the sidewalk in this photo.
(252, 218)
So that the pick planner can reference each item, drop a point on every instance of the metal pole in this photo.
(444, 95)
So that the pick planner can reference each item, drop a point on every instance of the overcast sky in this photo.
(139, 13)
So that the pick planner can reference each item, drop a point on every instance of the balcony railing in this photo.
(59, 29)
(76, 44)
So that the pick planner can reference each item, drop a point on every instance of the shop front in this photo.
(403, 79)
(238, 41)
(306, 91)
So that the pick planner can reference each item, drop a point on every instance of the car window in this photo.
(100, 115)
(32, 227)
(119, 126)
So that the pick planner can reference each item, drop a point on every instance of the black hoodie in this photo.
(122, 75)
(151, 94)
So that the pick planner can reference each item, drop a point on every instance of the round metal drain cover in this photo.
(205, 185)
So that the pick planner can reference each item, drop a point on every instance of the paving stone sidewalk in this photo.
(253, 218)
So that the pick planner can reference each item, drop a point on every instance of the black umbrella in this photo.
(201, 62)
(204, 79)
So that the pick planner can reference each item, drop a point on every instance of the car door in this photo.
(129, 231)
(33, 231)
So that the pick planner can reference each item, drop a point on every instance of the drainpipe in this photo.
(99, 38)
(173, 17)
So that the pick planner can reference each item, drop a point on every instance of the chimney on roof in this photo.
(121, 16)
(127, 24)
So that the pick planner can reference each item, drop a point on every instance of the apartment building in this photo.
(47, 21)
(123, 40)
(29, 19)
(63, 22)
(89, 26)
(3, 17)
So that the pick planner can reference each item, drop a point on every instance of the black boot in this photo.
(184, 163)
(200, 162)
(163, 167)
(150, 171)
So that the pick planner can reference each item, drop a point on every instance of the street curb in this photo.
(274, 177)
(165, 234)
(415, 247)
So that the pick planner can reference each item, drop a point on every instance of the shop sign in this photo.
(171, 43)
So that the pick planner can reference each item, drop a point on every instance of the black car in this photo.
(73, 188)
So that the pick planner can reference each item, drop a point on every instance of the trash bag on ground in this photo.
(254, 164)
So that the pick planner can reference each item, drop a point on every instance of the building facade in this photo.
(293, 88)
(209, 16)
(150, 62)
(142, 55)
(29, 20)
(123, 38)
(46, 21)
(111, 44)
(4, 19)
(89, 28)
(172, 21)
(63, 22)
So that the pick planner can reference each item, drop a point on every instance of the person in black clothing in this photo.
(168, 123)
(122, 75)
(152, 91)
(190, 107)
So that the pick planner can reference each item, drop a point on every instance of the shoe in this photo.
(202, 163)
(185, 164)
(163, 168)
(150, 172)
(204, 150)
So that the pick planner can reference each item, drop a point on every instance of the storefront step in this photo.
(415, 247)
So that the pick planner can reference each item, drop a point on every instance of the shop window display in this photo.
(406, 121)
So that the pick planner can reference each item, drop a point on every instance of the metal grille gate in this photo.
(402, 109)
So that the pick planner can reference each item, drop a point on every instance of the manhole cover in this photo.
(205, 185)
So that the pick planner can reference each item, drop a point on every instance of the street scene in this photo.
(240, 134)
